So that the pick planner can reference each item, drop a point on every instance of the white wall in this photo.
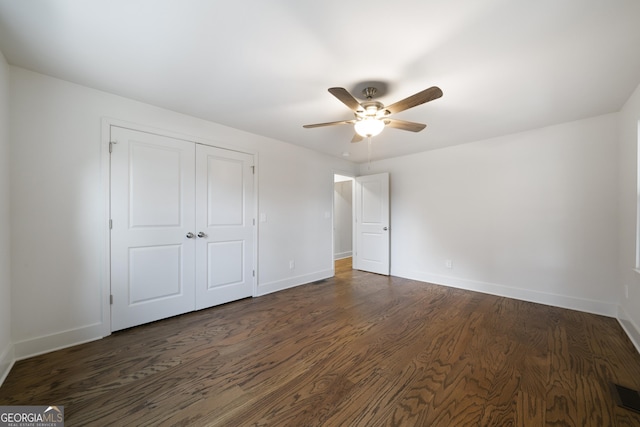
(6, 348)
(629, 314)
(296, 199)
(58, 207)
(530, 216)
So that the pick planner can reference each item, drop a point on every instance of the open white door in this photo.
(372, 224)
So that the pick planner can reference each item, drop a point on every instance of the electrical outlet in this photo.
(292, 264)
(448, 263)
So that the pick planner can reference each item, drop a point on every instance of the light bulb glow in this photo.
(369, 127)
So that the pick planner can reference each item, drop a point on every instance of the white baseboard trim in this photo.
(7, 359)
(279, 285)
(46, 344)
(342, 255)
(573, 303)
(632, 330)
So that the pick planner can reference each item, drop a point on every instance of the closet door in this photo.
(153, 222)
(224, 224)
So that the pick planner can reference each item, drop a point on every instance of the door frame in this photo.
(354, 234)
(333, 211)
(353, 177)
(105, 162)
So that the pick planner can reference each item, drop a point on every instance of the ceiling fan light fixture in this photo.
(369, 127)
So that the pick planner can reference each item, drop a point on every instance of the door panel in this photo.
(226, 264)
(372, 206)
(154, 185)
(225, 192)
(224, 216)
(152, 209)
(159, 265)
(372, 223)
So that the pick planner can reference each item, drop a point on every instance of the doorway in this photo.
(343, 192)
(361, 226)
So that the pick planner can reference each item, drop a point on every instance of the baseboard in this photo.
(7, 359)
(279, 285)
(342, 255)
(46, 344)
(632, 330)
(562, 301)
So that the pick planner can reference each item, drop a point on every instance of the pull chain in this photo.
(369, 151)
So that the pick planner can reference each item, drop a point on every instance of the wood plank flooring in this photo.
(356, 350)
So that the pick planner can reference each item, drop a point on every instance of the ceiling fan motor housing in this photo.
(369, 109)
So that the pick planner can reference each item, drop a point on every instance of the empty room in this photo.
(290, 213)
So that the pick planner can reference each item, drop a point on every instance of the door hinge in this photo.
(110, 224)
(253, 170)
(111, 299)
(254, 273)
(254, 221)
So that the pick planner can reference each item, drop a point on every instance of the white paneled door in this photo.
(372, 223)
(152, 212)
(181, 233)
(224, 223)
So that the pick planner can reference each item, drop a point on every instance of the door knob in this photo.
(190, 235)
(201, 234)
(385, 228)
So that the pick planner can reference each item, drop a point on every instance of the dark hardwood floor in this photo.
(355, 350)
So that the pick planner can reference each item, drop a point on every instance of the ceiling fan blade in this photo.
(345, 97)
(317, 125)
(356, 138)
(404, 125)
(426, 95)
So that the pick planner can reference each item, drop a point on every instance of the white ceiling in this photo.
(264, 66)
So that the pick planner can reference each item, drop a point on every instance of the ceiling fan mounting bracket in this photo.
(369, 92)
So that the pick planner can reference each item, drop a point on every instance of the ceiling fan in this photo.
(372, 116)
